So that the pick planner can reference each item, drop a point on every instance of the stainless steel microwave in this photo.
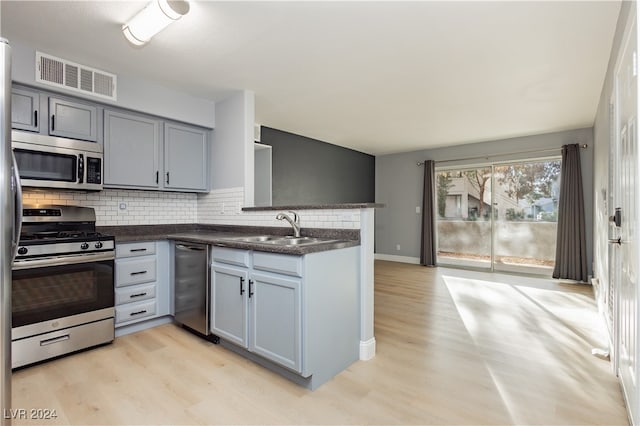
(52, 162)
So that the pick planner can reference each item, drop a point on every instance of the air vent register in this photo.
(69, 75)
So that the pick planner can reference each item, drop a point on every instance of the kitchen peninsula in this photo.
(300, 278)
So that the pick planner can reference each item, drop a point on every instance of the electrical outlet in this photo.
(397, 246)
(417, 209)
(123, 206)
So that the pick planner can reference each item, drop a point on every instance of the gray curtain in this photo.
(428, 241)
(571, 246)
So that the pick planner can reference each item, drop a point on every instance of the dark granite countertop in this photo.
(218, 235)
(315, 207)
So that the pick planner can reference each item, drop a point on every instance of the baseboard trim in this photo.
(401, 259)
(367, 349)
(143, 325)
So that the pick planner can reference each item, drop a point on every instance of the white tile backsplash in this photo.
(223, 207)
(219, 207)
(141, 207)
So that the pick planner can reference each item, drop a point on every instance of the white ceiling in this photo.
(378, 77)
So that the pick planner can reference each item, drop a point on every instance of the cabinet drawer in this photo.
(135, 271)
(231, 256)
(134, 311)
(279, 263)
(135, 293)
(135, 249)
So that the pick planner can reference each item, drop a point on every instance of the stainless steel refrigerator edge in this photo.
(191, 295)
(10, 199)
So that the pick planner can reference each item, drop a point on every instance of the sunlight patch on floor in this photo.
(534, 312)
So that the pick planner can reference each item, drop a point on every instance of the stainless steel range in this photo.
(62, 291)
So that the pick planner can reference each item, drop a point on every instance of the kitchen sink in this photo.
(296, 241)
(256, 238)
(279, 240)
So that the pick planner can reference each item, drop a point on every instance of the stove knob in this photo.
(22, 251)
(98, 245)
(84, 246)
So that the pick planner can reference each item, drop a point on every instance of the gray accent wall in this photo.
(399, 183)
(309, 171)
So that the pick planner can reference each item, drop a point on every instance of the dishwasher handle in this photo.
(192, 248)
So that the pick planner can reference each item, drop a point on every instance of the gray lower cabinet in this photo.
(298, 312)
(258, 311)
(25, 109)
(276, 324)
(73, 119)
(131, 151)
(142, 285)
(229, 285)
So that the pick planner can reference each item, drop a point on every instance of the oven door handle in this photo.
(61, 260)
(17, 218)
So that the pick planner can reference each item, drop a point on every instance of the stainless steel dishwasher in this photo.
(192, 286)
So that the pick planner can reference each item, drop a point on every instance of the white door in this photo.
(625, 190)
(613, 253)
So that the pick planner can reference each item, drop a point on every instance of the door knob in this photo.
(617, 217)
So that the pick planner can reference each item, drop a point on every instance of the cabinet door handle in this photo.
(138, 273)
(53, 122)
(250, 288)
(241, 286)
(136, 250)
(167, 178)
(133, 296)
(35, 118)
(133, 314)
(157, 177)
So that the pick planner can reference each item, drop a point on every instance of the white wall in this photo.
(232, 156)
(132, 93)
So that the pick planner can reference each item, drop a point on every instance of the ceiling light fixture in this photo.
(152, 19)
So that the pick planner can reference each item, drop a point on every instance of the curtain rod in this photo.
(486, 157)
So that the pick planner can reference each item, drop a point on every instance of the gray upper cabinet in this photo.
(135, 146)
(140, 151)
(185, 158)
(132, 151)
(73, 119)
(25, 110)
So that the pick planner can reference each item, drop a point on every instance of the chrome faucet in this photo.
(295, 222)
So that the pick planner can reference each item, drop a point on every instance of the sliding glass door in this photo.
(499, 217)
(464, 217)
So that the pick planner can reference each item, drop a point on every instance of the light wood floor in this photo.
(454, 347)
